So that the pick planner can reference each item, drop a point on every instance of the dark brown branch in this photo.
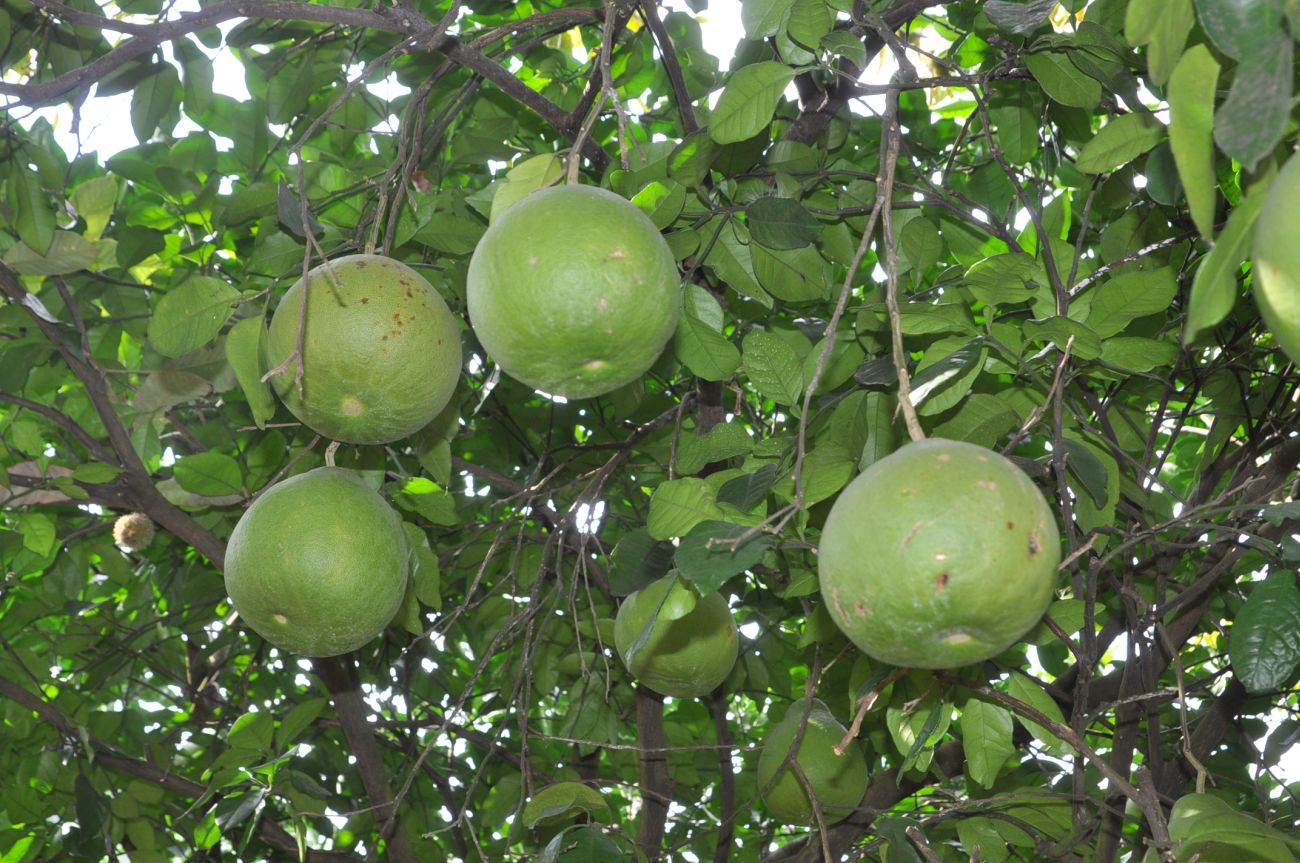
(672, 66)
(95, 447)
(339, 675)
(656, 784)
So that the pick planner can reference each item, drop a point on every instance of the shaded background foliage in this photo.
(1058, 196)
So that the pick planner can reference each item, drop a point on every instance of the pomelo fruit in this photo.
(690, 648)
(938, 555)
(318, 564)
(1277, 260)
(573, 291)
(838, 781)
(381, 350)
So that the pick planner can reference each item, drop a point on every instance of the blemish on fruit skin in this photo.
(943, 457)
(911, 534)
(594, 366)
(280, 619)
(861, 610)
(940, 556)
(616, 255)
(1035, 545)
(941, 582)
(532, 261)
(365, 301)
(957, 638)
(982, 458)
(987, 483)
(352, 407)
(1011, 525)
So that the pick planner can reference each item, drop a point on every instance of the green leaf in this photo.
(68, 253)
(1191, 92)
(1129, 296)
(1161, 25)
(1119, 142)
(773, 367)
(527, 176)
(1214, 289)
(982, 419)
(32, 214)
(94, 201)
(252, 731)
(246, 353)
(791, 275)
(154, 97)
(809, 21)
(763, 18)
(1138, 354)
(1264, 643)
(780, 223)
(1062, 81)
(191, 315)
(986, 740)
(297, 720)
(1236, 27)
(211, 474)
(748, 102)
(680, 504)
(563, 801)
(39, 533)
(1023, 688)
(638, 560)
(426, 575)
(723, 441)
(705, 555)
(747, 491)
(661, 201)
(96, 472)
(1019, 18)
(705, 351)
(1201, 823)
(1003, 279)
(1250, 122)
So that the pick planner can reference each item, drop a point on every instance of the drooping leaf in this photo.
(191, 315)
(246, 353)
(748, 102)
(1214, 289)
(1264, 643)
(1119, 142)
(986, 740)
(706, 557)
(1191, 93)
(680, 504)
(1019, 18)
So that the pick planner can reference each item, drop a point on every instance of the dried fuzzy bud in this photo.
(133, 531)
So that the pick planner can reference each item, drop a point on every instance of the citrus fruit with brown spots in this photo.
(318, 564)
(573, 291)
(381, 350)
(675, 643)
(939, 555)
(1277, 260)
(837, 781)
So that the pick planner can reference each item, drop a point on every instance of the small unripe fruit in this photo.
(133, 531)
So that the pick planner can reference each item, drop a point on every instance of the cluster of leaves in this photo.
(1038, 228)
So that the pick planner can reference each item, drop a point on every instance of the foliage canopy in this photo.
(1025, 225)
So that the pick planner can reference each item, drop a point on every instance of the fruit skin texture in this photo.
(318, 564)
(939, 555)
(686, 657)
(382, 350)
(1277, 259)
(573, 291)
(837, 781)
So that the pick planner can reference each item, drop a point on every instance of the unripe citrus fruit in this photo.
(690, 647)
(573, 291)
(318, 564)
(838, 781)
(938, 555)
(1277, 260)
(381, 349)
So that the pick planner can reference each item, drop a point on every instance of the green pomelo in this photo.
(1277, 260)
(837, 781)
(573, 291)
(318, 564)
(939, 555)
(381, 350)
(684, 656)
